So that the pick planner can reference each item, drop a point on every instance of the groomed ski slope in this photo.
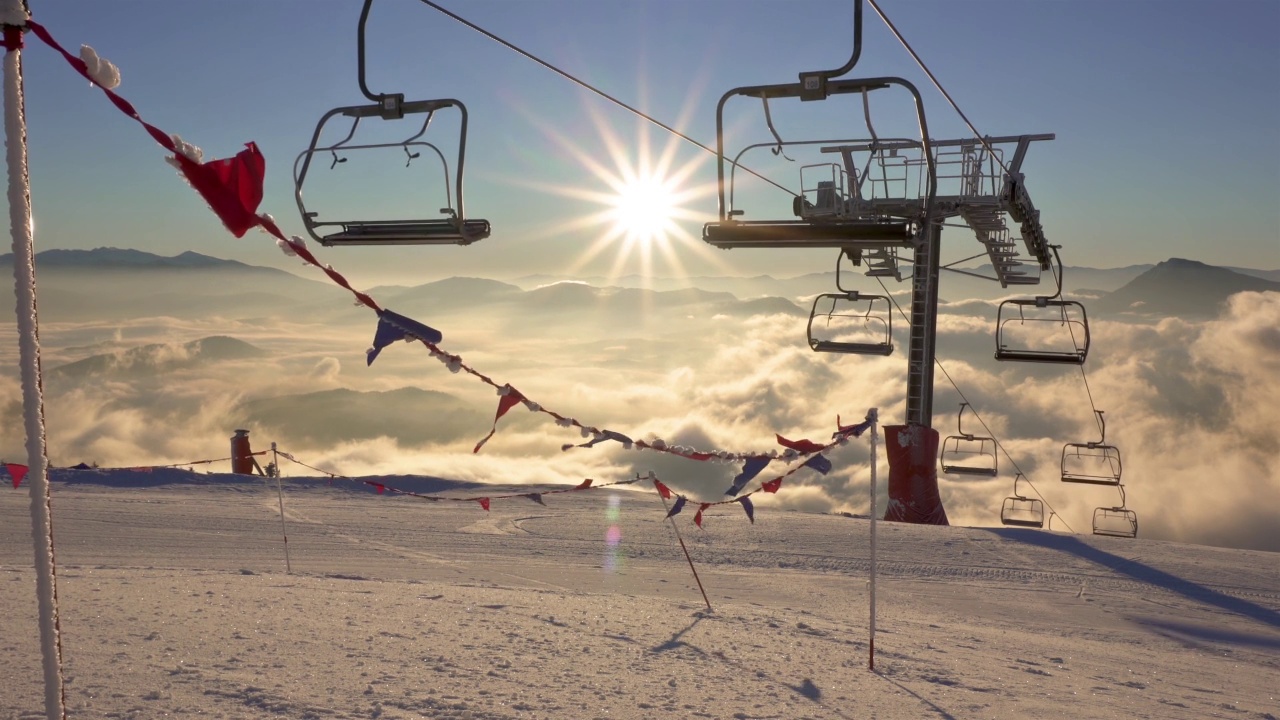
(175, 603)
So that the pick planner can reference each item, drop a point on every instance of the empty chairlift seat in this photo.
(452, 227)
(1021, 511)
(1044, 329)
(966, 453)
(851, 323)
(1115, 522)
(1092, 463)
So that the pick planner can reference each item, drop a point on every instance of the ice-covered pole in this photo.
(13, 17)
(874, 416)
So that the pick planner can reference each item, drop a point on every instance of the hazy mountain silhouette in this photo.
(1183, 288)
(148, 360)
(112, 283)
(409, 415)
(115, 258)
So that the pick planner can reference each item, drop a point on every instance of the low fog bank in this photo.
(1192, 404)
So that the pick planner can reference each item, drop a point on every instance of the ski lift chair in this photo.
(858, 329)
(453, 228)
(1116, 521)
(968, 454)
(1022, 511)
(1042, 312)
(831, 218)
(1092, 463)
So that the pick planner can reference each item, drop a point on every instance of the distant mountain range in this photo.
(409, 415)
(1183, 288)
(115, 283)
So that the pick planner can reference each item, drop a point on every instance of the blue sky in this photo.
(1165, 114)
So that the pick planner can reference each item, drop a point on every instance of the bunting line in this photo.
(483, 500)
(233, 190)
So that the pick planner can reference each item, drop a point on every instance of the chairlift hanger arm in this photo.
(390, 105)
(815, 83)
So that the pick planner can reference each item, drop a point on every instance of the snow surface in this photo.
(175, 603)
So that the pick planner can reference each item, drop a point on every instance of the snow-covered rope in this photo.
(14, 17)
(482, 500)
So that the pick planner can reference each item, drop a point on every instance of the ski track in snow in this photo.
(174, 601)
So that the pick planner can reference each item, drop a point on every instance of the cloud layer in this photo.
(1193, 406)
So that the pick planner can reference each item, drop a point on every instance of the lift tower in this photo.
(883, 195)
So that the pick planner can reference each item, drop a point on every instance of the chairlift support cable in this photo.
(587, 86)
(982, 422)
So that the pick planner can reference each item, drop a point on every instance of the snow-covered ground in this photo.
(175, 603)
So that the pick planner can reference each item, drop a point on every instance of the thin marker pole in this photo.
(875, 441)
(682, 547)
(24, 275)
(275, 463)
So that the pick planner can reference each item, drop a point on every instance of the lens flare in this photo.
(613, 536)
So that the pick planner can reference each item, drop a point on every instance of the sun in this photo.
(645, 210)
(641, 203)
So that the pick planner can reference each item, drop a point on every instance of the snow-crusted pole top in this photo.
(13, 12)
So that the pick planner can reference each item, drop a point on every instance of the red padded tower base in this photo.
(913, 475)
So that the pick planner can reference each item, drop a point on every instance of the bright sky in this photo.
(1165, 113)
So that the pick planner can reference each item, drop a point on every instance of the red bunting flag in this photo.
(510, 398)
(17, 472)
(379, 487)
(697, 517)
(484, 503)
(583, 485)
(772, 486)
(803, 446)
(232, 186)
(663, 490)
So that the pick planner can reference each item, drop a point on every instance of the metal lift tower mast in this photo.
(889, 194)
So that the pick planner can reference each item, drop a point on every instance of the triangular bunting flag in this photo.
(232, 187)
(772, 486)
(536, 497)
(510, 398)
(697, 517)
(393, 327)
(379, 487)
(820, 463)
(677, 506)
(17, 472)
(803, 446)
(583, 485)
(484, 503)
(854, 430)
(750, 469)
(751, 510)
(663, 490)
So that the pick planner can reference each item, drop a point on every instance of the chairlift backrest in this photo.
(453, 228)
